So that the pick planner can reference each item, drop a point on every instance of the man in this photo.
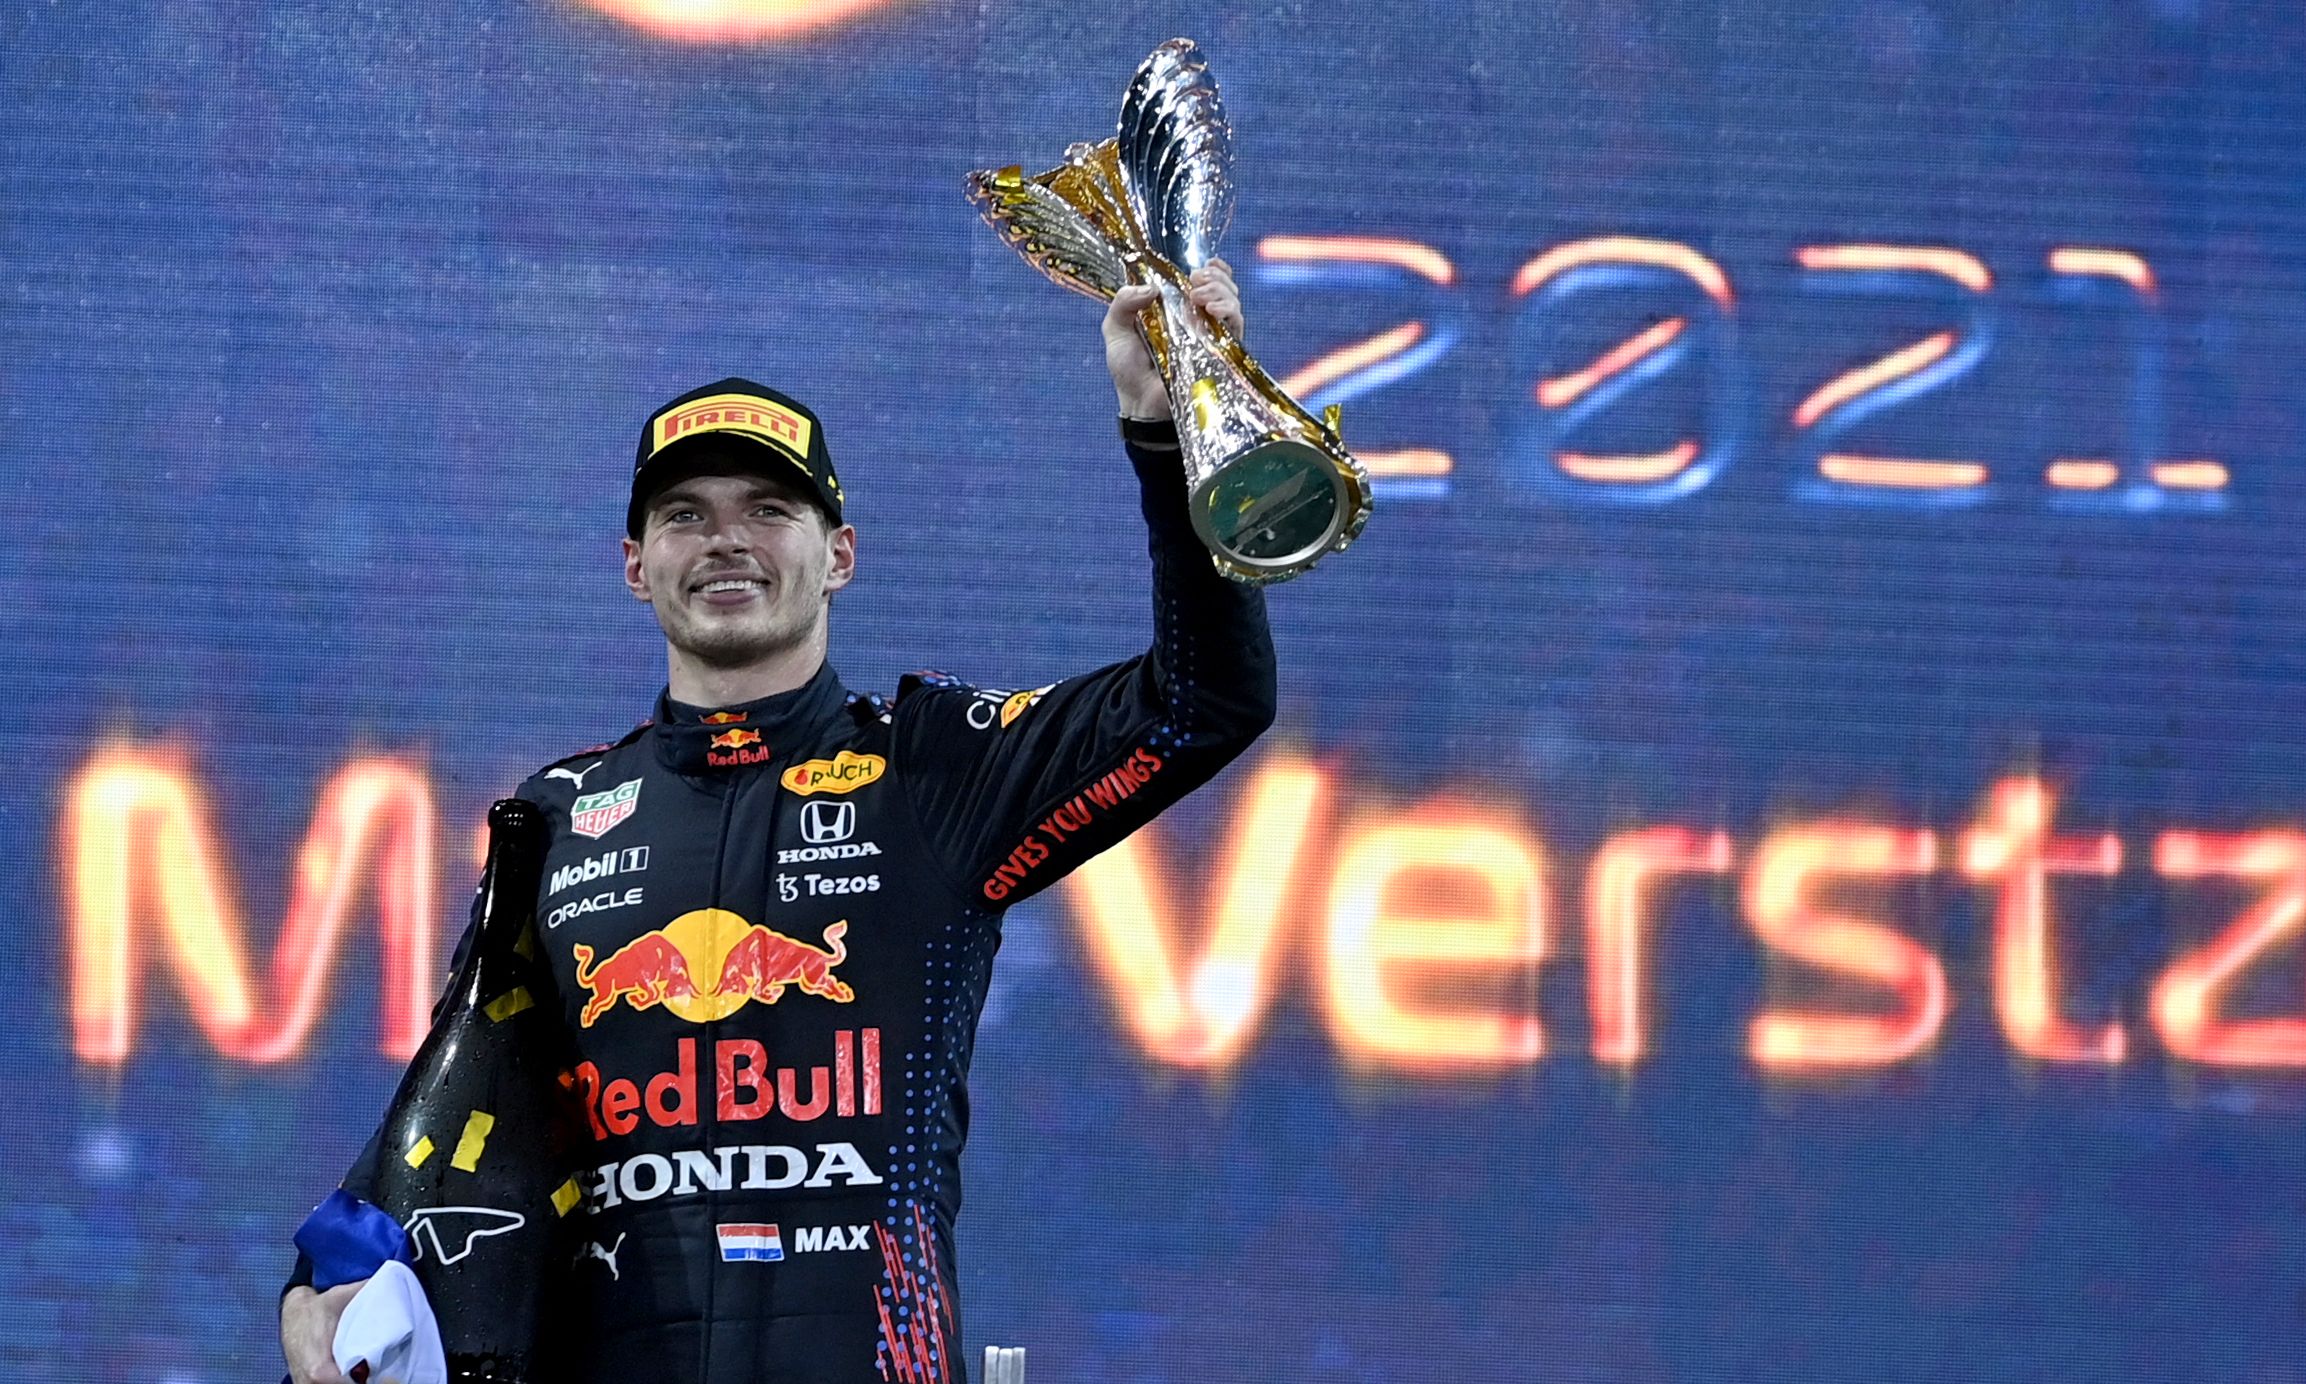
(771, 911)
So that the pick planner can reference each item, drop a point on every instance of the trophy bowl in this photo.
(1271, 487)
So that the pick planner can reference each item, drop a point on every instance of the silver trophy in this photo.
(1271, 487)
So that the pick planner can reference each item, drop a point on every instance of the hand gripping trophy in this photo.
(1271, 488)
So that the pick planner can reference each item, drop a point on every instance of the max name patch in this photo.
(845, 772)
(745, 1240)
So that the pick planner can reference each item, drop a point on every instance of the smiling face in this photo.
(740, 569)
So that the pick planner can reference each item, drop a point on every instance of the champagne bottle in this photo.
(478, 1143)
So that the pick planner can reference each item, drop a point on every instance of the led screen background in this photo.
(324, 338)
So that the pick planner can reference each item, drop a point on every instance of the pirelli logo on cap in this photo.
(744, 413)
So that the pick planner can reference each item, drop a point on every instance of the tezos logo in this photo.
(791, 887)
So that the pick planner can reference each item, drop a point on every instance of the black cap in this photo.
(733, 425)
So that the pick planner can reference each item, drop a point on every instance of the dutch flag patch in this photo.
(747, 1240)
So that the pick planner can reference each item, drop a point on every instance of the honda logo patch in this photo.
(825, 822)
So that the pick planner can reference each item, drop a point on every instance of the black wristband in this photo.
(1156, 433)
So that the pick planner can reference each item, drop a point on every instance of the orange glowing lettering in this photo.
(1614, 900)
(1935, 352)
(1894, 366)
(733, 21)
(2190, 475)
(142, 867)
(2077, 474)
(1359, 366)
(1473, 923)
(1421, 260)
(1563, 390)
(2109, 264)
(1960, 266)
(1559, 392)
(2014, 847)
(1348, 360)
(1781, 912)
(2145, 333)
(1903, 473)
(1624, 249)
(1408, 462)
(1129, 922)
(1629, 469)
(2185, 1002)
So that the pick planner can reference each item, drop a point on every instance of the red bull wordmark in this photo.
(745, 1087)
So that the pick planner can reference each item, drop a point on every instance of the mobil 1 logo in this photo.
(616, 868)
(631, 861)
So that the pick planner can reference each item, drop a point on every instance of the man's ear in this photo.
(636, 581)
(842, 569)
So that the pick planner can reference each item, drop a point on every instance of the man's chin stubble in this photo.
(730, 649)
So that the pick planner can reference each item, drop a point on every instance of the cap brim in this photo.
(720, 454)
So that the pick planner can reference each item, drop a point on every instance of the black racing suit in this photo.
(772, 927)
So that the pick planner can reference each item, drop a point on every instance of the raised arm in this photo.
(1015, 795)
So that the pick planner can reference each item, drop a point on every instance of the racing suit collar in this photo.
(718, 740)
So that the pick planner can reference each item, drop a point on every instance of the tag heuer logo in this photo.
(595, 813)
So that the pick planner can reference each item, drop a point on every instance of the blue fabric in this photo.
(348, 1239)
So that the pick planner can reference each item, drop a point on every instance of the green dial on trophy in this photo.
(1277, 503)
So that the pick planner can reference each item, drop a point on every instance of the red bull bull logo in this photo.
(709, 963)
(731, 748)
(724, 718)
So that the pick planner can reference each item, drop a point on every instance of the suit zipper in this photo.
(708, 1112)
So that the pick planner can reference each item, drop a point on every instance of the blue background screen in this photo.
(1784, 854)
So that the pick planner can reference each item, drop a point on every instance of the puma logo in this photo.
(575, 776)
(593, 1250)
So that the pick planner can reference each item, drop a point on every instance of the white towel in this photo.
(389, 1324)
